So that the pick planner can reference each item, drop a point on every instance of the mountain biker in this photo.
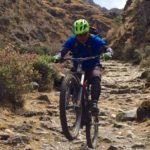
(83, 44)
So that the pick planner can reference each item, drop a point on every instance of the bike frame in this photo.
(81, 106)
(82, 73)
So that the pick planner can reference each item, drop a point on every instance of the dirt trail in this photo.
(39, 128)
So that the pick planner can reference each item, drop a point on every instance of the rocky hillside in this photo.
(44, 22)
(89, 1)
(132, 40)
(112, 13)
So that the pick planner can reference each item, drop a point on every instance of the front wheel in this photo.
(92, 131)
(70, 107)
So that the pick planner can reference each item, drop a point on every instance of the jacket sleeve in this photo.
(67, 46)
(63, 51)
(101, 44)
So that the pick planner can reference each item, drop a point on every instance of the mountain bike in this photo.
(75, 103)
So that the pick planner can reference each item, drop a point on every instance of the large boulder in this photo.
(143, 111)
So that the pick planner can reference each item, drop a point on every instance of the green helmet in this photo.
(80, 26)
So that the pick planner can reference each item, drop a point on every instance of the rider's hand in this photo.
(57, 58)
(106, 56)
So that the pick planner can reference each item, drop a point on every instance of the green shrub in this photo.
(25, 49)
(46, 58)
(118, 20)
(42, 65)
(41, 50)
(15, 74)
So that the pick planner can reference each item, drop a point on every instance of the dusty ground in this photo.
(39, 128)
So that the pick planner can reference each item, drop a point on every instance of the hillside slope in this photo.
(34, 22)
(131, 39)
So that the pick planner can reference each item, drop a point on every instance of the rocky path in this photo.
(39, 127)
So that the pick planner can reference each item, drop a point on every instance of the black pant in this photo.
(94, 77)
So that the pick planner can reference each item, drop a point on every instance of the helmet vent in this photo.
(81, 26)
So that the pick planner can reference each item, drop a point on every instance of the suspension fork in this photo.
(81, 87)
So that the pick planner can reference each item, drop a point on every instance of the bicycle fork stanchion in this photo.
(81, 82)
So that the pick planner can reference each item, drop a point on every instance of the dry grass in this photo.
(53, 18)
(15, 73)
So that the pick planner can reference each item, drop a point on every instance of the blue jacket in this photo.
(92, 47)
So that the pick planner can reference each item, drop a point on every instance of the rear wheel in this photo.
(70, 107)
(92, 131)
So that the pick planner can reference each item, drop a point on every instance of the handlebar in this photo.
(81, 58)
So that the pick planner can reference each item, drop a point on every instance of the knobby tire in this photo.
(70, 78)
(91, 139)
